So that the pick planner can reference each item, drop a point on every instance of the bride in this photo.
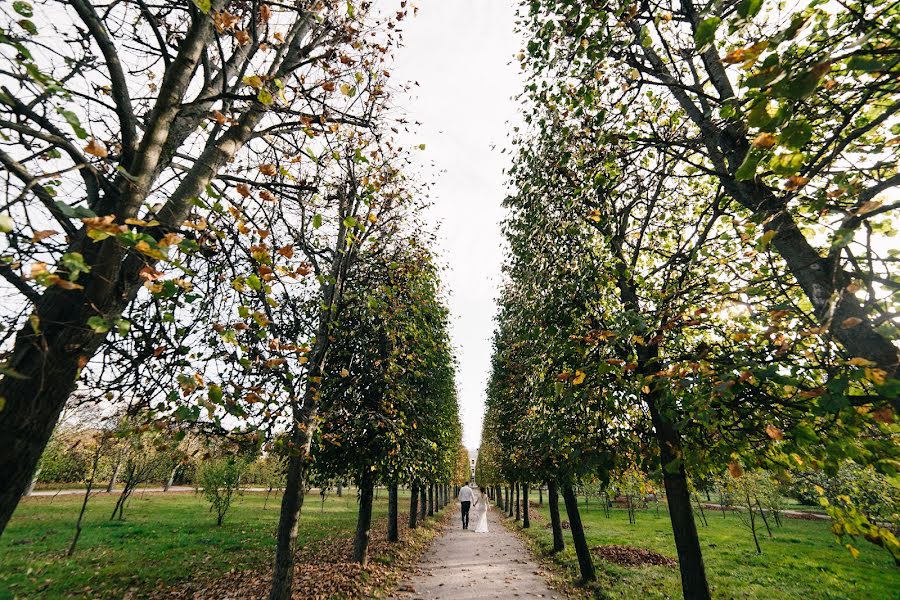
(481, 508)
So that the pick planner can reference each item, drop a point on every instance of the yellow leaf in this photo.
(859, 361)
(254, 81)
(345, 373)
(735, 469)
(579, 378)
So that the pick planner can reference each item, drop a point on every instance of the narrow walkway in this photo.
(464, 565)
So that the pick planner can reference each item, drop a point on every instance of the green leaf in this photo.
(74, 122)
(73, 262)
(706, 31)
(28, 26)
(801, 86)
(6, 223)
(215, 393)
(74, 212)
(254, 282)
(265, 96)
(317, 221)
(795, 135)
(123, 326)
(203, 5)
(349, 222)
(747, 170)
(749, 8)
(787, 164)
(98, 324)
(865, 64)
(23, 8)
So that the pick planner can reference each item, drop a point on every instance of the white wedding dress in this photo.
(481, 510)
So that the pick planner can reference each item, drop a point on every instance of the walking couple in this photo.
(466, 497)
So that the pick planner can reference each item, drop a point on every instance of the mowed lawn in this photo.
(801, 561)
(164, 538)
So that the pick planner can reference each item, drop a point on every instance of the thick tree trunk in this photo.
(393, 531)
(413, 504)
(340, 489)
(526, 521)
(431, 500)
(687, 542)
(585, 562)
(509, 506)
(541, 495)
(364, 521)
(559, 543)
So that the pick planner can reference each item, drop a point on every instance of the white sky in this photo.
(461, 54)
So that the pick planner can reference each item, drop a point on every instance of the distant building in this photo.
(473, 460)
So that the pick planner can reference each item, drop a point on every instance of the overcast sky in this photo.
(460, 52)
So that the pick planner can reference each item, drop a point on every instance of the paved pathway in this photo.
(464, 565)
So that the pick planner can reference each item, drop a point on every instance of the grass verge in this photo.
(801, 561)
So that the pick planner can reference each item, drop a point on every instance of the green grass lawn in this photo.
(164, 537)
(802, 561)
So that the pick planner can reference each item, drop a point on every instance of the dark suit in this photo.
(465, 513)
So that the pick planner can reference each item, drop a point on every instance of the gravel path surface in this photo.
(464, 565)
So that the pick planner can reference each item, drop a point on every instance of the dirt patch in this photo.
(629, 556)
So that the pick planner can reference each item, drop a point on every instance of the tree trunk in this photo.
(431, 500)
(87, 496)
(171, 478)
(687, 542)
(423, 502)
(541, 495)
(364, 521)
(413, 504)
(33, 483)
(393, 532)
(509, 506)
(585, 563)
(526, 521)
(115, 474)
(559, 543)
(518, 503)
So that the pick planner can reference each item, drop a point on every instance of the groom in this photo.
(465, 502)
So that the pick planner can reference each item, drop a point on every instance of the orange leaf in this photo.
(765, 140)
(95, 148)
(268, 169)
(43, 234)
(850, 322)
(735, 469)
(774, 433)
